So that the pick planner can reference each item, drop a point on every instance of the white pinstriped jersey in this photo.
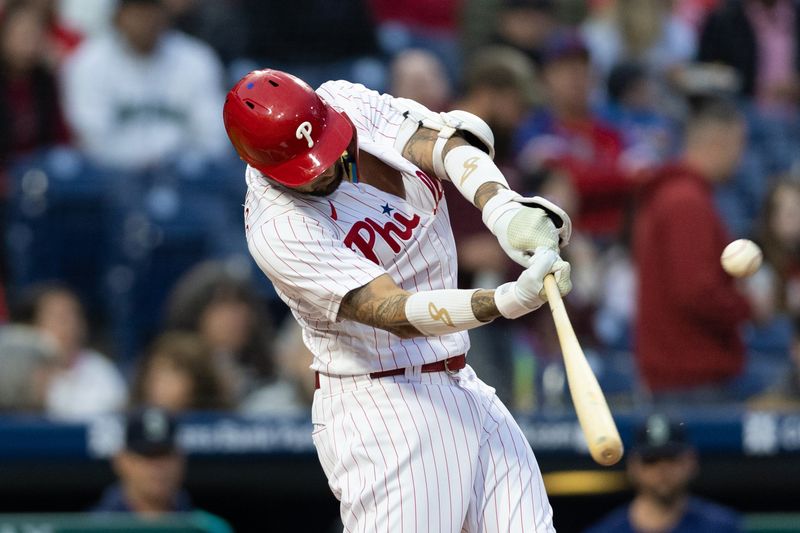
(317, 249)
(434, 452)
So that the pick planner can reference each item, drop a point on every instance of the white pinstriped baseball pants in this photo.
(426, 453)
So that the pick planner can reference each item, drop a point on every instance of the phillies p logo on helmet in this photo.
(304, 130)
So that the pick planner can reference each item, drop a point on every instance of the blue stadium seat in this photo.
(121, 239)
(170, 219)
(56, 226)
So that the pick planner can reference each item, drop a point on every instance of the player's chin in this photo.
(329, 188)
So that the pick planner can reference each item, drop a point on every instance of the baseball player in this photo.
(345, 214)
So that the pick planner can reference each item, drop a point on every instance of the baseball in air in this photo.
(741, 258)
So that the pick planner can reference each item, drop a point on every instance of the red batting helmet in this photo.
(281, 127)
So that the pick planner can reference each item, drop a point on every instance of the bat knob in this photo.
(610, 454)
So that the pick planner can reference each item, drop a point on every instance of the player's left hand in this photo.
(528, 291)
(522, 225)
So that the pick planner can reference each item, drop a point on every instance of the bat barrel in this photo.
(599, 429)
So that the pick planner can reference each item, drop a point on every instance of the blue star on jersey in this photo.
(387, 210)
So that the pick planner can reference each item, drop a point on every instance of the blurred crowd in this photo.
(666, 128)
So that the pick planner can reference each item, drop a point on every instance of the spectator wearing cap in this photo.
(570, 137)
(660, 467)
(150, 468)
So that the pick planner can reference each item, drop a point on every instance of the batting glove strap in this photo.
(509, 304)
(503, 202)
(441, 312)
(559, 217)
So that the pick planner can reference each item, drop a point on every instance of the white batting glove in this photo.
(522, 225)
(527, 294)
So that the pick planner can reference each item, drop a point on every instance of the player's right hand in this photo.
(530, 284)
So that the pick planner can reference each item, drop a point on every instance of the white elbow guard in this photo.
(447, 124)
(468, 168)
(442, 311)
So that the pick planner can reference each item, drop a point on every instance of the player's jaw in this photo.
(327, 182)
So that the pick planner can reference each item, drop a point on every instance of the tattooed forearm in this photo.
(382, 304)
(483, 306)
(390, 314)
(386, 312)
(485, 193)
(419, 148)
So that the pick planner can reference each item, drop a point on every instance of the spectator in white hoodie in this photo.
(141, 94)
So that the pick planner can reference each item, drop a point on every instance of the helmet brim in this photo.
(330, 145)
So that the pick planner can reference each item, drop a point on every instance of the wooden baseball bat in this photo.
(594, 416)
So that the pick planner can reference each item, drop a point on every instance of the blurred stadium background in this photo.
(126, 280)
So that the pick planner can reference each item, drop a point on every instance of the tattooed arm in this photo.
(483, 305)
(382, 304)
(419, 150)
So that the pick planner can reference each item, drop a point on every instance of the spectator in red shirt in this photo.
(30, 114)
(432, 26)
(689, 310)
(568, 136)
